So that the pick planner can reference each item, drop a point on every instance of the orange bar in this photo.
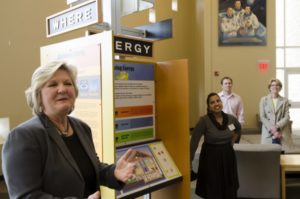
(133, 111)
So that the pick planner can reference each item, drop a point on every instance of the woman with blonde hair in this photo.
(52, 155)
(275, 117)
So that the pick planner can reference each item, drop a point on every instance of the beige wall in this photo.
(182, 45)
(240, 63)
(23, 33)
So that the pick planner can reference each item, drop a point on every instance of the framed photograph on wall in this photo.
(242, 22)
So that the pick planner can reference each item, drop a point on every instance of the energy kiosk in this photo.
(132, 104)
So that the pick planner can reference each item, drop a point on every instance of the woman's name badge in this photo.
(231, 127)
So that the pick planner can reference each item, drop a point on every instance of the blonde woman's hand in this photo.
(277, 135)
(95, 195)
(273, 130)
(125, 166)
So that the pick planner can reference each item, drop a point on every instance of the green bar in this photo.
(134, 135)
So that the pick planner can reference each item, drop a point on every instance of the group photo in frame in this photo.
(242, 23)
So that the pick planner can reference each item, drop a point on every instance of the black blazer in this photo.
(37, 163)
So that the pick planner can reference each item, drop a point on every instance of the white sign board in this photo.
(73, 18)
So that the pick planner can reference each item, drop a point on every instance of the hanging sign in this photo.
(73, 18)
(129, 46)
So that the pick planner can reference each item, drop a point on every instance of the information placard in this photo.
(134, 102)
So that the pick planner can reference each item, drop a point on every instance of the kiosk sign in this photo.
(129, 46)
(73, 18)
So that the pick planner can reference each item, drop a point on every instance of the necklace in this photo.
(64, 133)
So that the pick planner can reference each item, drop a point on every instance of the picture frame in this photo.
(242, 23)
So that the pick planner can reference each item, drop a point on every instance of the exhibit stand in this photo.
(132, 104)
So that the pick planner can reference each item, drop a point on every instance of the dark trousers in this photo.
(276, 141)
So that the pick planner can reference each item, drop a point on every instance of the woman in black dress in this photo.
(217, 176)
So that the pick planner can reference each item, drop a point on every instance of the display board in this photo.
(134, 102)
(84, 54)
(155, 169)
(117, 99)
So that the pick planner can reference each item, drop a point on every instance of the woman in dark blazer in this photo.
(52, 155)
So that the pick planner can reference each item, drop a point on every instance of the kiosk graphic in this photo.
(147, 171)
(155, 169)
(123, 75)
